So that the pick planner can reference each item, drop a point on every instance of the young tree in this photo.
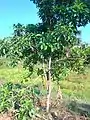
(54, 47)
(50, 50)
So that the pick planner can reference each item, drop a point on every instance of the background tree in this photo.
(87, 52)
(4, 47)
(18, 29)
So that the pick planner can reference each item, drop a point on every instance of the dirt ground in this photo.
(59, 111)
(6, 117)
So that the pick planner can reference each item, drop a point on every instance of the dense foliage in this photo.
(74, 12)
(18, 99)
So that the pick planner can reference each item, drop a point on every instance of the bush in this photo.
(19, 99)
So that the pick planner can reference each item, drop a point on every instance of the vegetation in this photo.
(18, 99)
(75, 87)
(51, 49)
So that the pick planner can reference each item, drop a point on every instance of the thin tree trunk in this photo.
(49, 84)
(59, 94)
(45, 76)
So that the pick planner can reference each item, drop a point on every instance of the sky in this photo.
(24, 12)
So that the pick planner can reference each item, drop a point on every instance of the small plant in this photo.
(19, 99)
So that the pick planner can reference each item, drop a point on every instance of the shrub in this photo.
(19, 99)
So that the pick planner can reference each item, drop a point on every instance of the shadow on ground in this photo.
(80, 108)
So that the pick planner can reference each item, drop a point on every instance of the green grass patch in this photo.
(76, 86)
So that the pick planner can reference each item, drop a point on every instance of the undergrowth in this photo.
(18, 99)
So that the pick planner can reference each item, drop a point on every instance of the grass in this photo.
(12, 74)
(76, 86)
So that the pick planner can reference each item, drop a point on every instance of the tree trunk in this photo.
(49, 84)
(59, 94)
(45, 76)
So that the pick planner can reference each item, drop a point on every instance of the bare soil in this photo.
(6, 116)
(58, 111)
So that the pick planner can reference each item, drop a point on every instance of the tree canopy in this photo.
(75, 12)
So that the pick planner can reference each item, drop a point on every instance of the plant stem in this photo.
(49, 85)
(45, 76)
